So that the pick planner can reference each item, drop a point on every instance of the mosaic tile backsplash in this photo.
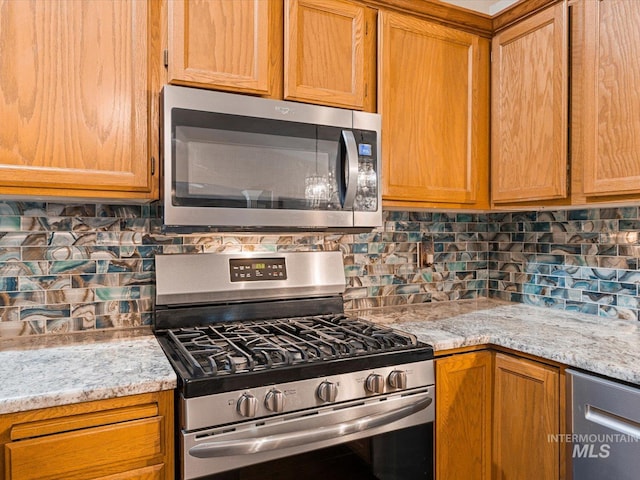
(73, 267)
(581, 260)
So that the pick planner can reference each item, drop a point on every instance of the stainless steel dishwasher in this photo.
(606, 428)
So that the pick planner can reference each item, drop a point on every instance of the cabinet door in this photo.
(526, 413)
(124, 438)
(433, 97)
(70, 455)
(463, 416)
(529, 109)
(225, 45)
(611, 119)
(330, 53)
(74, 98)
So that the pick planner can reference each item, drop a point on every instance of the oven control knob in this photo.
(274, 401)
(374, 383)
(398, 379)
(328, 391)
(247, 405)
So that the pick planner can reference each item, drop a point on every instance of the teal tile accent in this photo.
(9, 224)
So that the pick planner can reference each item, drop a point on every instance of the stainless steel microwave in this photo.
(248, 163)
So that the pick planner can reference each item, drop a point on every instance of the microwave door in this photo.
(233, 173)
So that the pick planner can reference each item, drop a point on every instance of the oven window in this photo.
(222, 160)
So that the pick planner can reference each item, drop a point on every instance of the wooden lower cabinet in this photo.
(495, 413)
(118, 439)
(526, 409)
(463, 416)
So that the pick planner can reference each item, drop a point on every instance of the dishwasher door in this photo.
(606, 428)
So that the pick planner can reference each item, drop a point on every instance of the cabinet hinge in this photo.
(366, 28)
(153, 166)
(165, 55)
(366, 90)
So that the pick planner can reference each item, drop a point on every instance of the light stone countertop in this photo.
(610, 347)
(45, 372)
(43, 375)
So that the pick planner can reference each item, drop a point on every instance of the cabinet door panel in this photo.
(39, 428)
(329, 48)
(155, 472)
(611, 100)
(73, 95)
(463, 416)
(70, 455)
(223, 44)
(529, 109)
(526, 413)
(433, 82)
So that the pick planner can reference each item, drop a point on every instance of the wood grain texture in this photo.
(74, 97)
(325, 46)
(224, 45)
(58, 425)
(157, 79)
(530, 109)
(526, 411)
(106, 440)
(463, 416)
(154, 472)
(433, 97)
(611, 121)
(71, 455)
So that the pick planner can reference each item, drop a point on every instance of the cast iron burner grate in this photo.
(228, 348)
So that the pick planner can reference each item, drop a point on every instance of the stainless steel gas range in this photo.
(269, 366)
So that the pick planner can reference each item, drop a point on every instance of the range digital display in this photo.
(251, 269)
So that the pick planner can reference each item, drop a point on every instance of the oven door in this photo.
(210, 451)
(243, 162)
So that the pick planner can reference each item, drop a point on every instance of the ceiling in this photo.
(488, 7)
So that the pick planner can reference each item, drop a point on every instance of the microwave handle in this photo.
(350, 169)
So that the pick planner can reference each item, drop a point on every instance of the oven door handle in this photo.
(292, 439)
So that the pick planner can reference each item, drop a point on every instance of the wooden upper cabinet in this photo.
(530, 109)
(526, 411)
(433, 97)
(611, 103)
(463, 416)
(329, 53)
(228, 45)
(75, 98)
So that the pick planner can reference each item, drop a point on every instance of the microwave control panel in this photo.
(367, 191)
(253, 269)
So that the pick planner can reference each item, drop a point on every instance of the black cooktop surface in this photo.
(235, 355)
